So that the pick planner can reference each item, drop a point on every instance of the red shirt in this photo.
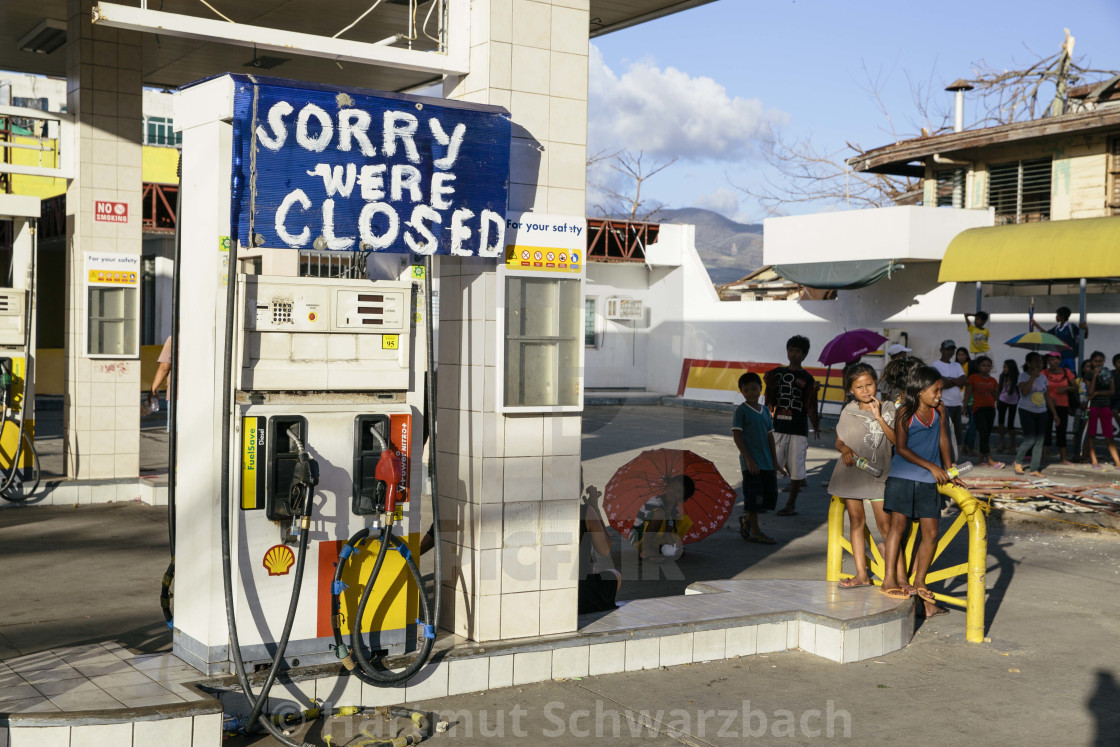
(1058, 382)
(983, 390)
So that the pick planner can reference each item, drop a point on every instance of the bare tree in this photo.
(1023, 94)
(803, 173)
(626, 200)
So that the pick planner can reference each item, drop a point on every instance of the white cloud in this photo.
(666, 113)
(724, 201)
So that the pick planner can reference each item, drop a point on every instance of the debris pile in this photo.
(1041, 495)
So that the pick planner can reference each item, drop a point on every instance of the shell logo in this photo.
(278, 560)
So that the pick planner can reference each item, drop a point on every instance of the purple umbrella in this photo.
(846, 347)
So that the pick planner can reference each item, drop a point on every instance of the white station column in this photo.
(101, 417)
(509, 485)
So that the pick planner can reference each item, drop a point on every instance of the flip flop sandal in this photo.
(926, 595)
(842, 585)
(761, 539)
(896, 594)
(997, 465)
(936, 612)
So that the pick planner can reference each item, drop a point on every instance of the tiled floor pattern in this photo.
(96, 677)
(717, 620)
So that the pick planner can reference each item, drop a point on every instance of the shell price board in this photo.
(112, 269)
(538, 242)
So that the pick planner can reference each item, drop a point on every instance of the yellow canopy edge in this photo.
(1051, 250)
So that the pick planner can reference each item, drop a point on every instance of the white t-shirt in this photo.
(1035, 401)
(951, 396)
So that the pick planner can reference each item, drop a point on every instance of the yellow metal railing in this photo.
(972, 513)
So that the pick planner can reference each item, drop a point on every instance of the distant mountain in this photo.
(729, 250)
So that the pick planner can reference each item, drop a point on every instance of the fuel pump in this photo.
(307, 387)
(19, 461)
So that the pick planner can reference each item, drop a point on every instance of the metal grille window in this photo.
(330, 264)
(1020, 190)
(950, 188)
(161, 131)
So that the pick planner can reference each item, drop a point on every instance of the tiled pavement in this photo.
(96, 677)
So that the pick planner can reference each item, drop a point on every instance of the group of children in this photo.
(901, 485)
(1044, 395)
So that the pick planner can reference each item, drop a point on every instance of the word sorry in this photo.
(376, 189)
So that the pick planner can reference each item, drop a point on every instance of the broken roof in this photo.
(899, 157)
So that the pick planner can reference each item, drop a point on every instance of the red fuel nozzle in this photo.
(389, 471)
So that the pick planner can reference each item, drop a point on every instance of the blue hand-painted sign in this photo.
(354, 170)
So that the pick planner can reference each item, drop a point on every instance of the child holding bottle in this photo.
(864, 436)
(920, 464)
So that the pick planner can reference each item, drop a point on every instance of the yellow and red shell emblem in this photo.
(278, 560)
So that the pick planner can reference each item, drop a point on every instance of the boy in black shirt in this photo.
(791, 395)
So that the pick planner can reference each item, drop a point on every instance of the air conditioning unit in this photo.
(623, 308)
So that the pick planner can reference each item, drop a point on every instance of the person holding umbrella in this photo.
(1067, 332)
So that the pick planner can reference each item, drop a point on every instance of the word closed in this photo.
(352, 170)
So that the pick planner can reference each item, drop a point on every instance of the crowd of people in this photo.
(899, 436)
(898, 442)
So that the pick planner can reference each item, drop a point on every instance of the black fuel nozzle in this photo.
(305, 476)
(6, 377)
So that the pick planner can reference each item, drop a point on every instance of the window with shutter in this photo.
(950, 188)
(1019, 191)
(1113, 193)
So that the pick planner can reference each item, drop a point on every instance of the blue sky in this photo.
(705, 83)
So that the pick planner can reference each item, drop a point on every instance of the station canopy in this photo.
(1051, 250)
(170, 61)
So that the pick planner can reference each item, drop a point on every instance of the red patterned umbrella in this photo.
(647, 475)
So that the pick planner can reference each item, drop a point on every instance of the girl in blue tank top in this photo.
(919, 465)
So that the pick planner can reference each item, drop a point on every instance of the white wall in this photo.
(685, 319)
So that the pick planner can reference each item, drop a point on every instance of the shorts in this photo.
(917, 500)
(596, 592)
(790, 453)
(760, 492)
(1101, 415)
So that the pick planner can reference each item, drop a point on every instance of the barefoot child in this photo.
(921, 438)
(865, 431)
(753, 431)
(1101, 388)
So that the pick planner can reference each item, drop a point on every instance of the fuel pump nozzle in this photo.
(305, 476)
(389, 471)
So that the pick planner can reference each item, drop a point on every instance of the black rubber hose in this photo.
(226, 493)
(341, 649)
(281, 647)
(173, 379)
(165, 593)
(430, 414)
(366, 671)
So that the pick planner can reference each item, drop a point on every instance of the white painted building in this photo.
(683, 318)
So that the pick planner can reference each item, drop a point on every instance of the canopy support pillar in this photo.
(1081, 337)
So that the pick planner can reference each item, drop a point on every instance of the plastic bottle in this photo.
(867, 466)
(960, 469)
